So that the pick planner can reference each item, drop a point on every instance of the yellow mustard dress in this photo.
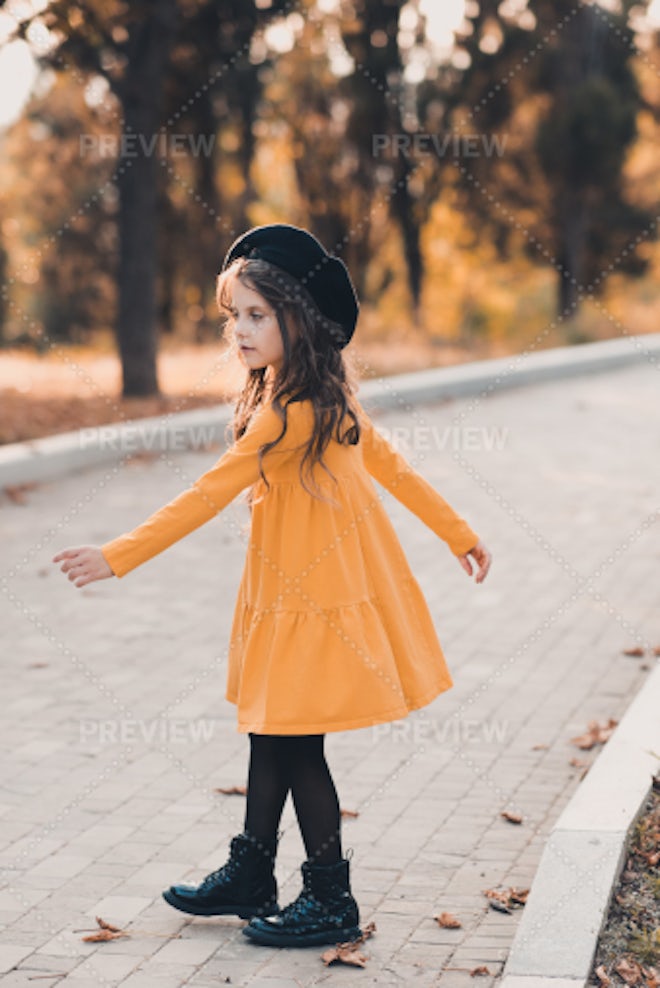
(330, 630)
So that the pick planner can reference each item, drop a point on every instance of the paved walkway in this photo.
(116, 733)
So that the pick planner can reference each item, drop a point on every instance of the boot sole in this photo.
(303, 940)
(244, 912)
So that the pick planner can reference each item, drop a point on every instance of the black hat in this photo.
(300, 254)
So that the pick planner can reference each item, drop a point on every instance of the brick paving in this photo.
(115, 730)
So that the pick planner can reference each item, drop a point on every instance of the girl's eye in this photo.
(257, 316)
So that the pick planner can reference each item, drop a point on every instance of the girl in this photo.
(331, 631)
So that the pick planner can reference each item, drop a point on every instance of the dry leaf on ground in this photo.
(540, 747)
(347, 952)
(349, 813)
(652, 976)
(578, 763)
(602, 976)
(105, 932)
(17, 493)
(505, 900)
(448, 921)
(629, 970)
(511, 816)
(477, 971)
(595, 734)
(635, 651)
(232, 790)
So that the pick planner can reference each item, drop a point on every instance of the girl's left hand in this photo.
(84, 564)
(481, 556)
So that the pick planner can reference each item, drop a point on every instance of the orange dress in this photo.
(330, 630)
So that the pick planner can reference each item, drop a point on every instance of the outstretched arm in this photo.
(396, 475)
(236, 469)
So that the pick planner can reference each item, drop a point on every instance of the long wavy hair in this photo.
(312, 367)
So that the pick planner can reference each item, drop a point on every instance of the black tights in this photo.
(296, 762)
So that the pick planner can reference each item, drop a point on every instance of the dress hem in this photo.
(346, 725)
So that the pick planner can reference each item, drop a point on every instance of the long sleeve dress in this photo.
(330, 630)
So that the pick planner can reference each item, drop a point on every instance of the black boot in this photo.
(245, 886)
(324, 912)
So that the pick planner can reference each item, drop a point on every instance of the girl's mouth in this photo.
(245, 349)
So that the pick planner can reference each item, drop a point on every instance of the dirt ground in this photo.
(628, 950)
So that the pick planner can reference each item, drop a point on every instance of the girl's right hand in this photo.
(84, 564)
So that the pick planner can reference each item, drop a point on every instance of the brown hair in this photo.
(312, 368)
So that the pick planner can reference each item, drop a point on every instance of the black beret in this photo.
(301, 255)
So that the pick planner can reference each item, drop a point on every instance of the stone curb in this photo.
(556, 938)
(44, 459)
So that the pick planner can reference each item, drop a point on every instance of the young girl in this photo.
(331, 631)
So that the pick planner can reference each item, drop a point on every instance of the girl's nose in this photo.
(241, 332)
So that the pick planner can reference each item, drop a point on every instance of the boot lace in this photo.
(300, 907)
(228, 870)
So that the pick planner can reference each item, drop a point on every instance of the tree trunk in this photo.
(572, 234)
(403, 209)
(141, 92)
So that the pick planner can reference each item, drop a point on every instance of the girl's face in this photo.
(256, 329)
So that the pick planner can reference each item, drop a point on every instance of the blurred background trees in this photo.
(478, 195)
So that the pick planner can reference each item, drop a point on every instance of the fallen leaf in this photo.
(540, 747)
(105, 932)
(232, 791)
(477, 971)
(578, 762)
(499, 906)
(602, 976)
(347, 952)
(629, 970)
(103, 935)
(448, 921)
(635, 651)
(595, 734)
(349, 813)
(16, 492)
(656, 649)
(108, 926)
(344, 954)
(652, 976)
(519, 896)
(512, 817)
(504, 900)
